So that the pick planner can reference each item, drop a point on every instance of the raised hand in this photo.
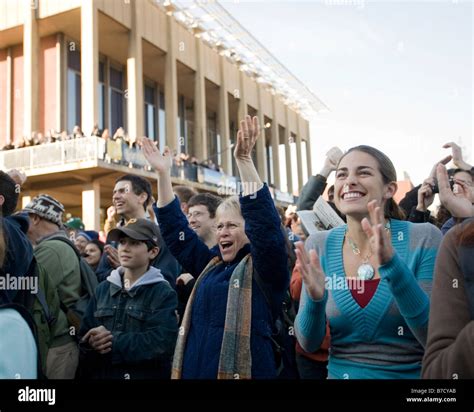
(458, 206)
(444, 161)
(246, 137)
(333, 156)
(160, 162)
(457, 156)
(425, 195)
(311, 271)
(111, 212)
(380, 240)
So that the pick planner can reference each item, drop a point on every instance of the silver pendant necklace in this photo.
(365, 271)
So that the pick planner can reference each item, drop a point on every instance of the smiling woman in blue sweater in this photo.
(227, 325)
(370, 278)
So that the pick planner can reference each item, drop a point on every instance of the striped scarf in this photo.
(235, 361)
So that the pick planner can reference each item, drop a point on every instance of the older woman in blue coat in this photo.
(227, 324)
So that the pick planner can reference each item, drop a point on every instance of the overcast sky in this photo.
(397, 75)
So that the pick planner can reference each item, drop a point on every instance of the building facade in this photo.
(145, 66)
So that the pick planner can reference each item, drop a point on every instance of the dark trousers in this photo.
(311, 369)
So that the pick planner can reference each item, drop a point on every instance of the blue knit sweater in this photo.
(267, 246)
(386, 339)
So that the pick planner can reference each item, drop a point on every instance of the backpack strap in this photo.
(63, 239)
(466, 262)
(67, 241)
(44, 305)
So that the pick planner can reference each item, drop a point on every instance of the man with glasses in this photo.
(201, 217)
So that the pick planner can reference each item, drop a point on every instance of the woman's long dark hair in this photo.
(389, 174)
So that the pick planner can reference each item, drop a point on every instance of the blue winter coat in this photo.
(19, 252)
(267, 246)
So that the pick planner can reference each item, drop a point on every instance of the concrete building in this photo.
(182, 74)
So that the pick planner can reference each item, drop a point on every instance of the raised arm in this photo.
(162, 164)
(262, 222)
(315, 186)
(183, 243)
(246, 139)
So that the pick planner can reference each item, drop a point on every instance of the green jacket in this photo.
(62, 266)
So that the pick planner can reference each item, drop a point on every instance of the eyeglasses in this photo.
(195, 214)
(453, 180)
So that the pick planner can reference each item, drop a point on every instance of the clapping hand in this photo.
(380, 240)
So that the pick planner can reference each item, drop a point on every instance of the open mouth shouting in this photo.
(225, 245)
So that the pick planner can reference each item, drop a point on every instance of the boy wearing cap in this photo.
(129, 330)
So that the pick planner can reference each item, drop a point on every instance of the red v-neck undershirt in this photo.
(363, 299)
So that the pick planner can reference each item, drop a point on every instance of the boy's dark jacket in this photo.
(144, 325)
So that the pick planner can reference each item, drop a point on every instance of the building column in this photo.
(289, 174)
(308, 148)
(200, 144)
(89, 65)
(242, 110)
(30, 70)
(91, 206)
(135, 101)
(261, 152)
(299, 157)
(61, 86)
(8, 98)
(171, 88)
(224, 124)
(275, 146)
(25, 199)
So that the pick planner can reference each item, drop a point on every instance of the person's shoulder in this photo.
(62, 249)
(318, 240)
(16, 223)
(426, 234)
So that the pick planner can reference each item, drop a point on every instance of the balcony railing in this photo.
(113, 152)
(53, 154)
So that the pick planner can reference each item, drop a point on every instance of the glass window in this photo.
(182, 141)
(117, 109)
(116, 79)
(101, 95)
(212, 144)
(73, 86)
(150, 113)
(73, 99)
(162, 122)
(271, 178)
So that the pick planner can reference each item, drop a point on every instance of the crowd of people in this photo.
(120, 136)
(193, 286)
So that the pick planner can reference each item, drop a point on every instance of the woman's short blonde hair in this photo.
(231, 204)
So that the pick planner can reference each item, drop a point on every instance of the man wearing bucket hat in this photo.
(62, 266)
(130, 329)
